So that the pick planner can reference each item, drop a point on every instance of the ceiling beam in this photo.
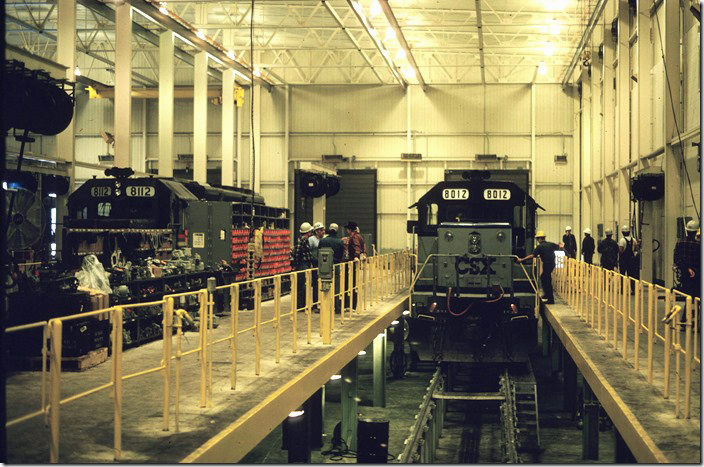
(385, 54)
(593, 19)
(480, 37)
(391, 18)
(339, 22)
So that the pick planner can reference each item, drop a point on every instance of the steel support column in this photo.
(349, 404)
(672, 116)
(379, 369)
(609, 159)
(166, 104)
(595, 119)
(255, 155)
(238, 144)
(66, 55)
(569, 379)
(123, 84)
(200, 118)
(623, 130)
(228, 127)
(590, 428)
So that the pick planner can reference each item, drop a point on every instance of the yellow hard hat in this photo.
(539, 233)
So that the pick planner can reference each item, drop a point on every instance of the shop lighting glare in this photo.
(400, 55)
(77, 71)
(362, 352)
(549, 49)
(163, 10)
(542, 68)
(394, 322)
(335, 377)
(390, 34)
(375, 9)
(52, 195)
(231, 54)
(200, 35)
(4, 185)
(373, 32)
(408, 72)
(257, 73)
(554, 27)
(406, 312)
(296, 413)
(357, 6)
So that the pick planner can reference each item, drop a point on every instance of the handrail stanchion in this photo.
(55, 394)
(617, 304)
(600, 297)
(668, 347)
(168, 321)
(350, 284)
(177, 389)
(678, 348)
(688, 359)
(592, 292)
(257, 326)
(294, 311)
(203, 327)
(117, 367)
(651, 333)
(211, 313)
(277, 314)
(341, 289)
(355, 268)
(626, 300)
(45, 337)
(309, 298)
(636, 332)
(319, 285)
(234, 327)
(607, 302)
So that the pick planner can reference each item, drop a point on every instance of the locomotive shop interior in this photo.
(338, 231)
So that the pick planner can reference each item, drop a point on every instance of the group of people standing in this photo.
(314, 237)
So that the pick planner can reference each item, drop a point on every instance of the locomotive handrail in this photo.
(421, 443)
(607, 300)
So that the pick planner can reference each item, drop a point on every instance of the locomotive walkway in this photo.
(647, 422)
(224, 431)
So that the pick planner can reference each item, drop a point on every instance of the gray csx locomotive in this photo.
(472, 302)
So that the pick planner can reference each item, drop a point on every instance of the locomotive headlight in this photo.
(500, 236)
(449, 236)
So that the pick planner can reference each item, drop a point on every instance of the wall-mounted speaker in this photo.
(648, 187)
(313, 184)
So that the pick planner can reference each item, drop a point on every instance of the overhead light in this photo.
(231, 54)
(296, 413)
(385, 53)
(406, 312)
(4, 185)
(394, 322)
(52, 195)
(77, 71)
(542, 68)
(200, 35)
(362, 352)
(375, 9)
(373, 32)
(358, 7)
(554, 27)
(549, 49)
(556, 4)
(382, 334)
(400, 55)
(257, 73)
(335, 377)
(390, 34)
(408, 72)
(162, 9)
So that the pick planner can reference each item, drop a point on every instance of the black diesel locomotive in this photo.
(472, 302)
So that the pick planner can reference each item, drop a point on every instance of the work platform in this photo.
(231, 424)
(646, 420)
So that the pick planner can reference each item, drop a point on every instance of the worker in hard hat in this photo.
(546, 251)
(608, 249)
(569, 243)
(687, 259)
(588, 246)
(628, 262)
(302, 259)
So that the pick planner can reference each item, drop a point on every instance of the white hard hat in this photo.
(608, 231)
(568, 227)
(305, 228)
(692, 226)
(588, 231)
(625, 228)
(318, 225)
(334, 226)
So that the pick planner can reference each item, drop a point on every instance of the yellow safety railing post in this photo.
(56, 329)
(636, 332)
(651, 333)
(117, 381)
(341, 289)
(350, 285)
(294, 311)
(277, 316)
(625, 303)
(211, 313)
(678, 348)
(355, 269)
(234, 329)
(177, 390)
(319, 286)
(168, 316)
(202, 335)
(309, 298)
(333, 284)
(325, 316)
(668, 347)
(257, 326)
(45, 338)
(688, 358)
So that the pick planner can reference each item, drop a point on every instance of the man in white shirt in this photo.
(628, 255)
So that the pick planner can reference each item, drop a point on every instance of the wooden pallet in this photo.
(81, 363)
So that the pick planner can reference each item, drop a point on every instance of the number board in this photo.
(497, 194)
(455, 193)
(140, 191)
(100, 191)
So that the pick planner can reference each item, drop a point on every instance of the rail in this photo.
(422, 442)
(362, 283)
(619, 307)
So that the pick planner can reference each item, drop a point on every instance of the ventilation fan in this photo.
(25, 224)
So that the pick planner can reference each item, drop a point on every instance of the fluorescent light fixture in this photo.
(406, 312)
(200, 35)
(257, 73)
(52, 195)
(375, 9)
(362, 352)
(554, 27)
(4, 185)
(163, 10)
(394, 322)
(335, 377)
(231, 54)
(77, 71)
(542, 68)
(296, 413)
(549, 49)
(184, 39)
(400, 55)
(390, 34)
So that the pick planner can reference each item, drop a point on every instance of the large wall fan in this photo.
(26, 224)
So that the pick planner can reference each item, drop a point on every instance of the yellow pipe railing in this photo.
(363, 283)
(624, 305)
